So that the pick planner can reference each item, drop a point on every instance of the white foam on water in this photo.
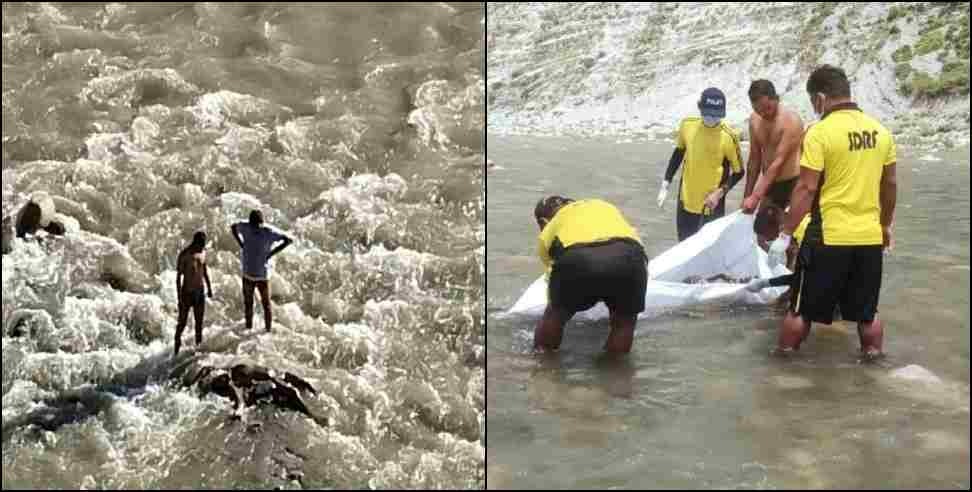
(917, 374)
(98, 307)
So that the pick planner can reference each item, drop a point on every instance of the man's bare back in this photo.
(193, 266)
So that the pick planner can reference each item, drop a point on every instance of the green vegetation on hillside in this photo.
(902, 54)
(953, 80)
(930, 42)
(902, 71)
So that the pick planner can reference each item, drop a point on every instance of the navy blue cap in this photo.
(713, 103)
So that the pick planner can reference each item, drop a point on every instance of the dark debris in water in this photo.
(247, 385)
(69, 408)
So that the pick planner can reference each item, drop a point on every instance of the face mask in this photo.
(711, 121)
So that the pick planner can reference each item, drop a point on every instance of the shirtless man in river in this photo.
(192, 283)
(774, 156)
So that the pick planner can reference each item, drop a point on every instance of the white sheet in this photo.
(726, 246)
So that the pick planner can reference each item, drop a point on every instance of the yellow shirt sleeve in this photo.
(734, 152)
(543, 250)
(547, 237)
(813, 151)
(892, 153)
(680, 141)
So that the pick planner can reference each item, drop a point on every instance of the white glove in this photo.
(663, 194)
(777, 252)
(758, 284)
(712, 200)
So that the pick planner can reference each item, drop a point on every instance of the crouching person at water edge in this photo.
(592, 254)
(848, 184)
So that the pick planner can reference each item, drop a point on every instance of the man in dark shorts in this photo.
(192, 283)
(774, 154)
(256, 242)
(848, 184)
(592, 254)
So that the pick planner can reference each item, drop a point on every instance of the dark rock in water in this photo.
(70, 407)
(248, 385)
(7, 235)
(36, 215)
(137, 88)
(29, 219)
(55, 229)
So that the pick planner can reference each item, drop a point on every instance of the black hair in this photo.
(199, 239)
(829, 81)
(548, 207)
(762, 88)
(256, 218)
(768, 221)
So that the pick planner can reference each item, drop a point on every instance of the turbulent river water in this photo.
(358, 129)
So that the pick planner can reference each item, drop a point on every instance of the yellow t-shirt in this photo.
(706, 150)
(851, 150)
(582, 222)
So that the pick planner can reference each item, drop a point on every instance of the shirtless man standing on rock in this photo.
(774, 156)
(192, 283)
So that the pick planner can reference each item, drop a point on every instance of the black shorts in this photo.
(613, 272)
(688, 224)
(828, 277)
(781, 191)
(194, 298)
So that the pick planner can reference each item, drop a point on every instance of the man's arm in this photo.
(674, 163)
(755, 160)
(235, 229)
(544, 254)
(681, 146)
(802, 201)
(792, 136)
(732, 167)
(286, 242)
(732, 174)
(729, 178)
(889, 200)
(889, 194)
(209, 285)
(544, 242)
(180, 272)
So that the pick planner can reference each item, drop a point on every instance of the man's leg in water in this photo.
(183, 321)
(199, 309)
(861, 303)
(264, 288)
(872, 338)
(550, 330)
(792, 333)
(248, 287)
(622, 334)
